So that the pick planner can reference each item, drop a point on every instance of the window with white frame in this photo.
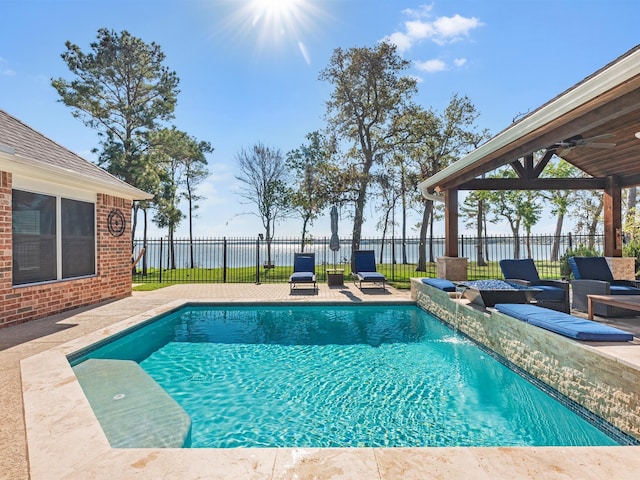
(53, 238)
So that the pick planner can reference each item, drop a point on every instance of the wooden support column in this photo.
(612, 199)
(451, 266)
(451, 223)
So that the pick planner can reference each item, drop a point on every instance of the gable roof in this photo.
(605, 107)
(26, 151)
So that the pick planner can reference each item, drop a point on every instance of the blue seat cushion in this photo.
(523, 269)
(623, 290)
(304, 263)
(550, 293)
(302, 277)
(365, 261)
(591, 268)
(440, 283)
(564, 324)
(371, 276)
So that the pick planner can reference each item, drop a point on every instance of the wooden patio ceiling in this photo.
(598, 136)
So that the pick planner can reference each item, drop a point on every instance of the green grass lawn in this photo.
(398, 275)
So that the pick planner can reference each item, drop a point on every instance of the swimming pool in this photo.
(336, 376)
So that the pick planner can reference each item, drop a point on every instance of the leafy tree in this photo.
(475, 209)
(263, 173)
(183, 163)
(631, 223)
(586, 209)
(517, 207)
(122, 90)
(312, 175)
(368, 93)
(559, 200)
(531, 212)
(195, 172)
(389, 192)
(434, 142)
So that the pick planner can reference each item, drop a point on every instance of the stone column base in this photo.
(452, 268)
(622, 268)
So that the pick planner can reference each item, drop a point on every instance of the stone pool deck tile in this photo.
(431, 463)
(230, 292)
(66, 442)
(333, 463)
(549, 463)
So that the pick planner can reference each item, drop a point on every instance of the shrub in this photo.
(632, 249)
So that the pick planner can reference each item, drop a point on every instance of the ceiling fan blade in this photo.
(595, 138)
(596, 145)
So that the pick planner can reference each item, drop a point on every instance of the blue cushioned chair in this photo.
(304, 271)
(365, 269)
(592, 276)
(555, 293)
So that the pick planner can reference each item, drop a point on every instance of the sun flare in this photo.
(278, 23)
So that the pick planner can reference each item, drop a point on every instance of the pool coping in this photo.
(65, 440)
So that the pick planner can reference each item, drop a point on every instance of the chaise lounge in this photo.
(365, 269)
(304, 271)
(592, 276)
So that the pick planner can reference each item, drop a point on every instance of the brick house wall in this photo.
(113, 275)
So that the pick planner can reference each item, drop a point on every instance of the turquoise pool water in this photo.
(341, 376)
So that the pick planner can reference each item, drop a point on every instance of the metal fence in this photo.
(252, 260)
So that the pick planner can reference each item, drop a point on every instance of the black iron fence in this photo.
(247, 260)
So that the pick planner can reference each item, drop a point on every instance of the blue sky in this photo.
(249, 69)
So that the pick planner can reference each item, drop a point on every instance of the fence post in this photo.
(461, 246)
(224, 260)
(160, 260)
(258, 261)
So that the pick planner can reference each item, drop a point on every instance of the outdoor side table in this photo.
(335, 277)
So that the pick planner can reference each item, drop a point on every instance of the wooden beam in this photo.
(583, 119)
(613, 218)
(537, 171)
(519, 169)
(534, 184)
(630, 181)
(451, 223)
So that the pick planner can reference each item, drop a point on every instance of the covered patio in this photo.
(594, 125)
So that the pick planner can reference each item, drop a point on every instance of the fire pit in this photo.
(487, 293)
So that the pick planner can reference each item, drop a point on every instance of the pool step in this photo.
(133, 410)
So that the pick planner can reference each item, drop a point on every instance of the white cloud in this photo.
(441, 30)
(459, 62)
(400, 40)
(450, 29)
(431, 66)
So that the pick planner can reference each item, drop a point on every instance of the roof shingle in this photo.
(36, 148)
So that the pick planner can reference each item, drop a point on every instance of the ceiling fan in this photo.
(578, 141)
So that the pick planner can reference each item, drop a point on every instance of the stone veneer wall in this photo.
(112, 280)
(602, 384)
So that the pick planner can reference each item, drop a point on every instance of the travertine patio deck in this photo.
(68, 443)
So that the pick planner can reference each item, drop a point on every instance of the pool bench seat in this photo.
(564, 323)
(133, 410)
